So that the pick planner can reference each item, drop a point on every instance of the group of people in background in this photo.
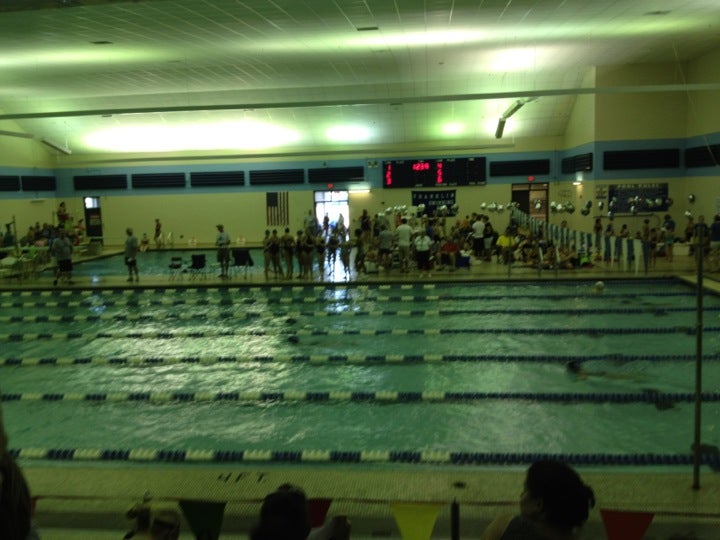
(400, 242)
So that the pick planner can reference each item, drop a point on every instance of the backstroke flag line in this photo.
(277, 206)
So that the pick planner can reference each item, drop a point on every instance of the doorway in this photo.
(93, 219)
(334, 204)
(527, 196)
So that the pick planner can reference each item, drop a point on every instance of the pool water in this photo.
(354, 349)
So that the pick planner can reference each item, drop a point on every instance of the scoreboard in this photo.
(434, 172)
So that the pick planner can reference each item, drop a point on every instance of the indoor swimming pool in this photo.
(443, 373)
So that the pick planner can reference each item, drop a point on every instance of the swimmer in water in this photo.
(575, 368)
(598, 288)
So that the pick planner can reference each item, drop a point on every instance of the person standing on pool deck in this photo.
(158, 233)
(131, 251)
(668, 229)
(554, 505)
(62, 249)
(222, 241)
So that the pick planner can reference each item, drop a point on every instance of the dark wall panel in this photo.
(217, 179)
(520, 168)
(100, 181)
(158, 180)
(336, 174)
(627, 160)
(277, 176)
(9, 183)
(702, 156)
(581, 162)
(39, 183)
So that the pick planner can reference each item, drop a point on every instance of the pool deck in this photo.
(683, 265)
(78, 501)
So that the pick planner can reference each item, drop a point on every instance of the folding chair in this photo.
(198, 266)
(242, 259)
(176, 267)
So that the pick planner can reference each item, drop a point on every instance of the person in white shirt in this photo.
(478, 228)
(404, 232)
(423, 244)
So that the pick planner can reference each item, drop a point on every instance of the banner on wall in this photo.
(433, 200)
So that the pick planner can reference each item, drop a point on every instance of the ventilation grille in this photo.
(100, 181)
(158, 180)
(702, 156)
(625, 160)
(329, 175)
(520, 168)
(581, 162)
(9, 183)
(217, 179)
(277, 176)
(39, 183)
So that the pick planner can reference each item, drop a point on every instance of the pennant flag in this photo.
(318, 511)
(278, 208)
(416, 521)
(204, 517)
(622, 525)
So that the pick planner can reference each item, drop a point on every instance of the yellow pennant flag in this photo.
(415, 520)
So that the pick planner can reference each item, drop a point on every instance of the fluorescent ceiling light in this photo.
(242, 135)
(513, 60)
(348, 133)
(453, 128)
(420, 39)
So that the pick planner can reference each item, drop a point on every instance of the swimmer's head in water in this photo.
(573, 366)
(599, 285)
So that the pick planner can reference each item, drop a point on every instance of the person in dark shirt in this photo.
(554, 505)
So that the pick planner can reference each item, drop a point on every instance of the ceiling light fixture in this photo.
(52, 144)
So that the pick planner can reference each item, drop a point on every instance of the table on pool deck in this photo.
(97, 498)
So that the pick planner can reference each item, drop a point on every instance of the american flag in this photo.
(278, 213)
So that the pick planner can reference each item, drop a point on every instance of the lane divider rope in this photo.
(350, 456)
(96, 302)
(195, 334)
(384, 396)
(324, 359)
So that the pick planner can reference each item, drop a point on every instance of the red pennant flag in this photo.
(318, 511)
(623, 525)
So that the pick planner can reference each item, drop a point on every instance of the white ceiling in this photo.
(400, 69)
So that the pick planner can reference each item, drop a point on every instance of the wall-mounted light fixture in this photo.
(512, 109)
(500, 128)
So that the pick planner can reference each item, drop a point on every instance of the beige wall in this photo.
(704, 107)
(632, 116)
(18, 152)
(581, 126)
